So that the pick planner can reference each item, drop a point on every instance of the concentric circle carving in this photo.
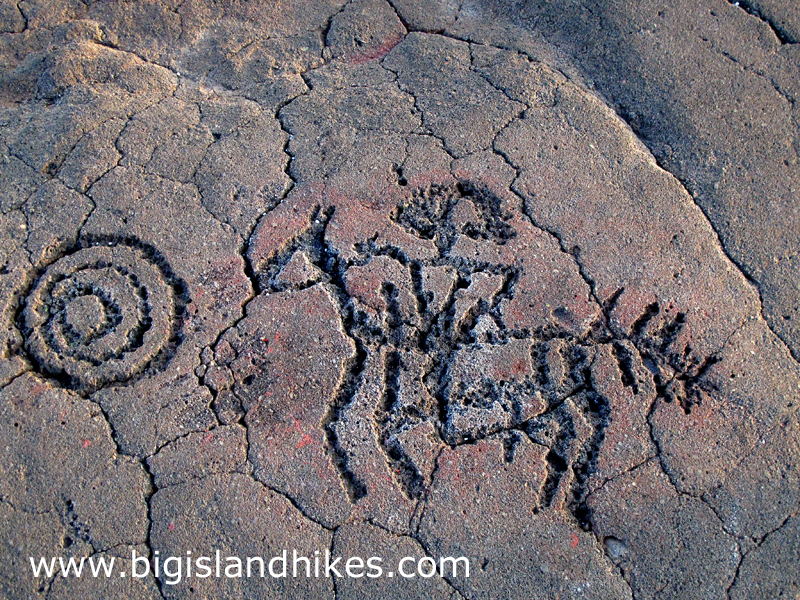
(102, 314)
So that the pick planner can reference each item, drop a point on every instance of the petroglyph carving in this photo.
(102, 314)
(440, 357)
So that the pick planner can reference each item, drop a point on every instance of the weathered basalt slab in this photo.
(372, 277)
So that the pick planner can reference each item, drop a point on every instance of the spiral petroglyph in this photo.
(102, 314)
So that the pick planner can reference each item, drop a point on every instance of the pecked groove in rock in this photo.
(462, 272)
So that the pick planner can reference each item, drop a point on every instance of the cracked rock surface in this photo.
(392, 278)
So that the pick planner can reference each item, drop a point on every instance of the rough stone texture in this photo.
(364, 540)
(200, 455)
(708, 87)
(449, 93)
(64, 485)
(30, 534)
(699, 451)
(241, 174)
(783, 18)
(772, 469)
(50, 435)
(286, 402)
(479, 496)
(427, 15)
(112, 587)
(431, 278)
(241, 518)
(770, 570)
(630, 393)
(364, 30)
(668, 545)
(382, 502)
(53, 214)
